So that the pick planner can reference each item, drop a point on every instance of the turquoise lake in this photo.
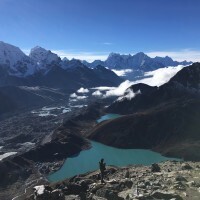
(88, 160)
(107, 117)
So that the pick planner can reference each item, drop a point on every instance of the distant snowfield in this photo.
(5, 155)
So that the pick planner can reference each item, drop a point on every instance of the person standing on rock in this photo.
(102, 167)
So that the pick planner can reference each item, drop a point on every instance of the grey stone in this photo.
(108, 194)
(155, 168)
(72, 197)
(180, 178)
(186, 166)
(166, 196)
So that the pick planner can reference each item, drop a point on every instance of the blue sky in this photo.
(90, 29)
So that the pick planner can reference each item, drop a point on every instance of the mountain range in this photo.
(44, 68)
(139, 61)
(15, 63)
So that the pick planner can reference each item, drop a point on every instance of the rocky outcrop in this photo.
(130, 183)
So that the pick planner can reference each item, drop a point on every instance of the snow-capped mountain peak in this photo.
(43, 57)
(9, 54)
(14, 61)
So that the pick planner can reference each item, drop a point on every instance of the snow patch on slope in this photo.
(5, 155)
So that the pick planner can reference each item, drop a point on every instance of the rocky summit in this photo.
(170, 180)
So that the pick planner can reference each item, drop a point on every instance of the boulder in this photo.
(94, 187)
(74, 188)
(72, 197)
(127, 174)
(186, 166)
(42, 192)
(165, 195)
(128, 183)
(155, 168)
(57, 195)
(108, 194)
(179, 185)
(181, 178)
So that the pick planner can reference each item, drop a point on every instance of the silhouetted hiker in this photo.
(102, 167)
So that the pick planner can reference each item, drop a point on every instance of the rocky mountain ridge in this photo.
(16, 63)
(44, 68)
(139, 61)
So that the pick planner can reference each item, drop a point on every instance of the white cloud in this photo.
(81, 97)
(83, 90)
(180, 55)
(74, 100)
(74, 95)
(97, 93)
(158, 77)
(184, 54)
(89, 56)
(129, 95)
(107, 43)
(103, 88)
(119, 91)
(122, 72)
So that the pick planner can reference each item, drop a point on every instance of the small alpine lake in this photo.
(107, 117)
